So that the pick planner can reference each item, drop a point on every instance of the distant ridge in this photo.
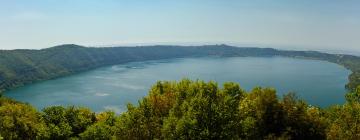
(66, 46)
(20, 67)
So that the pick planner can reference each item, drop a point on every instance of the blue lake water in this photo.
(320, 83)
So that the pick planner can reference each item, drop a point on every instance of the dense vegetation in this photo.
(189, 110)
(19, 67)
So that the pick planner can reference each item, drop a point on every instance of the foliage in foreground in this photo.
(189, 110)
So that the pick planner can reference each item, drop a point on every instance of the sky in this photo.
(284, 24)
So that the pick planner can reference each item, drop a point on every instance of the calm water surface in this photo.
(111, 88)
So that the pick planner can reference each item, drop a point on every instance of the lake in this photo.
(320, 83)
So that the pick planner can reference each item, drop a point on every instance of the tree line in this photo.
(189, 110)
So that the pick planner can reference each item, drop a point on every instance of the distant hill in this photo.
(20, 67)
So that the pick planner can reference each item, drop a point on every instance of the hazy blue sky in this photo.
(309, 24)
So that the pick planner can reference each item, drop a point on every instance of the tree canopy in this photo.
(189, 110)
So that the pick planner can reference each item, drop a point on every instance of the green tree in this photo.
(345, 119)
(55, 118)
(103, 129)
(21, 121)
(79, 119)
(98, 131)
(67, 122)
(261, 114)
(189, 110)
(204, 112)
(302, 121)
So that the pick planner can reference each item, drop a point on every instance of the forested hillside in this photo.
(189, 110)
(19, 67)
